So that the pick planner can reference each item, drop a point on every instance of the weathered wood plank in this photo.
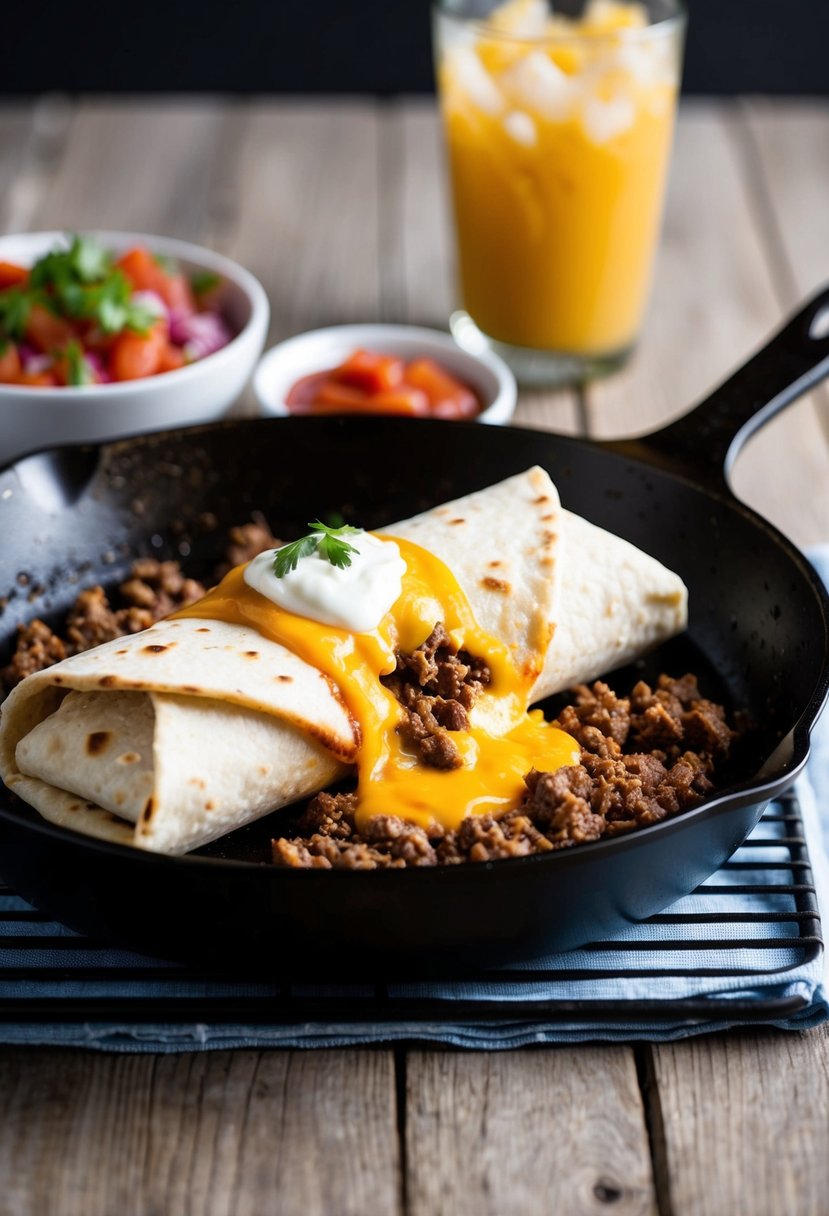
(526, 1132)
(204, 1135)
(305, 218)
(32, 139)
(133, 165)
(415, 232)
(714, 301)
(17, 127)
(790, 140)
(745, 1121)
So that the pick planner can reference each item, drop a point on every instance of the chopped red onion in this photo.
(201, 334)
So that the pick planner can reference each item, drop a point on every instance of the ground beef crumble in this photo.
(437, 685)
(153, 590)
(644, 757)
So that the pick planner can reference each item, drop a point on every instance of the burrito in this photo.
(236, 706)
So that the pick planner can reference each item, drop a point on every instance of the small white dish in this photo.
(320, 349)
(33, 418)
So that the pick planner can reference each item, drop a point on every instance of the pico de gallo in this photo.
(81, 316)
(371, 383)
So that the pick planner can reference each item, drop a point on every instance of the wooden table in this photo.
(339, 208)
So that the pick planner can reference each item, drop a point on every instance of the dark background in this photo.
(362, 46)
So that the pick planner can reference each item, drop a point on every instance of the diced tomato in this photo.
(145, 274)
(338, 396)
(371, 372)
(47, 332)
(456, 408)
(38, 379)
(301, 395)
(172, 357)
(338, 399)
(60, 372)
(178, 295)
(448, 397)
(404, 400)
(12, 275)
(135, 356)
(9, 364)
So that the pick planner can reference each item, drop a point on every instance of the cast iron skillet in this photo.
(759, 637)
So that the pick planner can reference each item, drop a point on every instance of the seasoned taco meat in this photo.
(644, 758)
(437, 685)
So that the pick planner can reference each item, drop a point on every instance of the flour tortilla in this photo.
(172, 737)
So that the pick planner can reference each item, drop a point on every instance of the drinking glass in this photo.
(558, 127)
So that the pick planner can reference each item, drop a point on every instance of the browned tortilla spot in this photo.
(197, 781)
(190, 688)
(264, 769)
(284, 679)
(128, 758)
(251, 654)
(149, 807)
(209, 805)
(326, 737)
(96, 742)
(545, 519)
(494, 565)
(541, 500)
(120, 652)
(495, 584)
(154, 649)
(548, 537)
(57, 679)
(106, 682)
(457, 521)
(203, 629)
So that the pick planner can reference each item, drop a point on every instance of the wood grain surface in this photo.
(298, 1133)
(500, 1134)
(745, 1123)
(340, 208)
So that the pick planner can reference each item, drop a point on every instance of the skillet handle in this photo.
(706, 441)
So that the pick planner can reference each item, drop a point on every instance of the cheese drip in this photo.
(504, 742)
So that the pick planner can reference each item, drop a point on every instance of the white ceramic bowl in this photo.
(320, 349)
(39, 417)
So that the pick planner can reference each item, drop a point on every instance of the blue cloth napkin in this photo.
(785, 976)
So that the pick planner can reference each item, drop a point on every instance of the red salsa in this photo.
(370, 383)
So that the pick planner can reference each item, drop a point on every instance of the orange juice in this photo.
(559, 134)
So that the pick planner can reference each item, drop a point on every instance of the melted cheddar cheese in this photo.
(504, 742)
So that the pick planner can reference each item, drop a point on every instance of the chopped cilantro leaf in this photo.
(323, 539)
(79, 370)
(287, 557)
(204, 281)
(14, 312)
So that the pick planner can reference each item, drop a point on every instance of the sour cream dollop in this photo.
(354, 597)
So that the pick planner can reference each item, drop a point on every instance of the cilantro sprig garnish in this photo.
(322, 539)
